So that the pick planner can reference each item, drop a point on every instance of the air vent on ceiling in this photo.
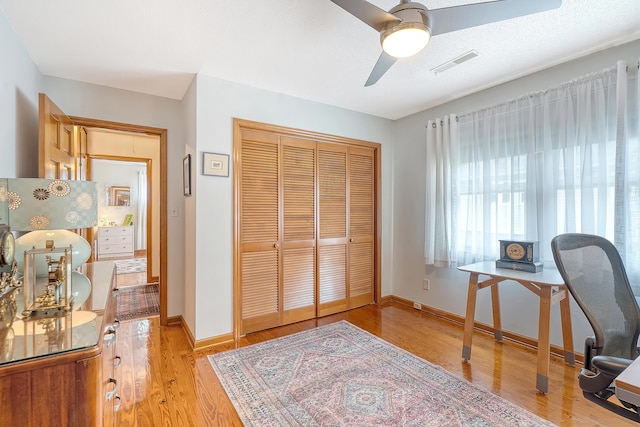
(456, 61)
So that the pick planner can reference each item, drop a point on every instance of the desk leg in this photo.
(470, 316)
(495, 304)
(542, 377)
(567, 334)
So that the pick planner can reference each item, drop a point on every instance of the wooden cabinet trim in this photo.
(48, 361)
(64, 388)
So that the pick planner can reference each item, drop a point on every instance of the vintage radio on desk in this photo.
(519, 255)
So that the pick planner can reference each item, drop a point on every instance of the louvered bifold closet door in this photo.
(361, 226)
(260, 286)
(332, 229)
(298, 230)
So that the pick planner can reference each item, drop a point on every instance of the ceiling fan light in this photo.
(405, 40)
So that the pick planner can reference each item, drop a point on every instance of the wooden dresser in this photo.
(62, 371)
(116, 241)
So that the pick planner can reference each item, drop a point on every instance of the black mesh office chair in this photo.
(594, 273)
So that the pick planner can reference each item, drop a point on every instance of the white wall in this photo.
(218, 102)
(99, 102)
(189, 207)
(449, 287)
(125, 174)
(20, 82)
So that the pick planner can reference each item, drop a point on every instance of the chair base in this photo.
(630, 414)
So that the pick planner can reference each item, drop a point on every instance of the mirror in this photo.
(118, 196)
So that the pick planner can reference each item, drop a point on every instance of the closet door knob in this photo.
(276, 246)
(351, 240)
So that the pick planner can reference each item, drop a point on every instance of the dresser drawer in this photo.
(115, 240)
(115, 231)
(116, 249)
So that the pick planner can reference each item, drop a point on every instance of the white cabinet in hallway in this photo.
(115, 242)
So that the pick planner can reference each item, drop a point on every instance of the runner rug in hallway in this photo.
(128, 266)
(135, 302)
(339, 374)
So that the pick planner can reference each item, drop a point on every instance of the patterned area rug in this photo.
(135, 302)
(128, 266)
(341, 375)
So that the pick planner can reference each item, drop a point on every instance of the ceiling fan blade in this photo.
(456, 18)
(368, 13)
(382, 66)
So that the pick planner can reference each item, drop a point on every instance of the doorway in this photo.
(124, 186)
(122, 152)
(62, 154)
(158, 193)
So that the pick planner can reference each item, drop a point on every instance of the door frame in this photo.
(162, 135)
(238, 126)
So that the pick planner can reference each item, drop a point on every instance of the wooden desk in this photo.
(547, 285)
(628, 383)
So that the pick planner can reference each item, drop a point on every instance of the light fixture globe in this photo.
(405, 39)
(411, 34)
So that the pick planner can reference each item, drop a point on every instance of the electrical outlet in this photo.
(417, 306)
(426, 284)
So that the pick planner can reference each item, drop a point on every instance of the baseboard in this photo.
(483, 327)
(207, 342)
(187, 332)
(450, 317)
(386, 299)
(175, 320)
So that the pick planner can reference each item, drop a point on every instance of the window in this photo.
(558, 161)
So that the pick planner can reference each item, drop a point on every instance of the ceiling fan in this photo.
(407, 28)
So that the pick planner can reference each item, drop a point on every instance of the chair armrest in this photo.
(610, 365)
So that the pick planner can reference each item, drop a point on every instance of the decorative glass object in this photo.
(48, 295)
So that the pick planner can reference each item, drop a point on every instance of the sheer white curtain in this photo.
(627, 185)
(141, 234)
(562, 160)
(441, 144)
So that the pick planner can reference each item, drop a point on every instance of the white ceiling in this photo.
(310, 49)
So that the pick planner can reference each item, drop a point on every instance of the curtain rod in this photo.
(449, 120)
(537, 93)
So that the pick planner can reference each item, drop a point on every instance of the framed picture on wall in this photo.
(186, 174)
(215, 164)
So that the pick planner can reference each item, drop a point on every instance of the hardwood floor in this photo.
(164, 383)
